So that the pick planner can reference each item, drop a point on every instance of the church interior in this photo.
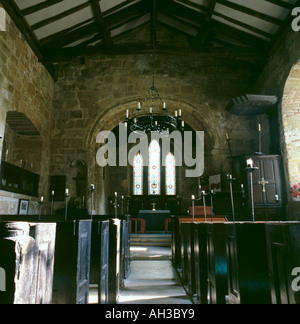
(129, 126)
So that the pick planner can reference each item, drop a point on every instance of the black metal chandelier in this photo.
(154, 121)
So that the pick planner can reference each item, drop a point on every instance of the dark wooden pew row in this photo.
(242, 263)
(27, 255)
(118, 256)
(217, 272)
(100, 259)
(283, 240)
(107, 256)
(185, 257)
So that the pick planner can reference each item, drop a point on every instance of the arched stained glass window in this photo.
(138, 175)
(154, 169)
(170, 175)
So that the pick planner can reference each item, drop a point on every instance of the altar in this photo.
(155, 219)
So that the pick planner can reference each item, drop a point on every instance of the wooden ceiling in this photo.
(63, 30)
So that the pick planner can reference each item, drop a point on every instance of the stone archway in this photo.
(110, 117)
(291, 129)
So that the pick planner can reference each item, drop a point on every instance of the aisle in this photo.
(153, 280)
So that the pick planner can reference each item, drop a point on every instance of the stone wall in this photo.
(93, 95)
(281, 77)
(26, 87)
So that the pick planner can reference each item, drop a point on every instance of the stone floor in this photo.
(153, 279)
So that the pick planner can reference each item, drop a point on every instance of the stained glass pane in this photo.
(138, 175)
(170, 175)
(154, 168)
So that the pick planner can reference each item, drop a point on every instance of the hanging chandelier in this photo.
(154, 121)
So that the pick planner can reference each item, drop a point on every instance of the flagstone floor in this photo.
(153, 280)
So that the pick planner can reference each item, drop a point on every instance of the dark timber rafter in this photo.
(107, 40)
(205, 29)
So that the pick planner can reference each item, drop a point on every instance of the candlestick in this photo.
(165, 105)
(212, 193)
(259, 140)
(193, 207)
(127, 113)
(277, 198)
(52, 202)
(41, 206)
(231, 179)
(176, 113)
(92, 199)
(179, 113)
(204, 203)
(66, 209)
(116, 204)
(229, 146)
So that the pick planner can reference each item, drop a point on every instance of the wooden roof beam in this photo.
(204, 31)
(106, 36)
(39, 6)
(250, 12)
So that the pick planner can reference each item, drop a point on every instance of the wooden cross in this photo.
(153, 205)
(263, 183)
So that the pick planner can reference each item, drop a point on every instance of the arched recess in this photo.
(23, 143)
(22, 147)
(108, 119)
(291, 131)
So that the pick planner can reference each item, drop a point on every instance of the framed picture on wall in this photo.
(23, 206)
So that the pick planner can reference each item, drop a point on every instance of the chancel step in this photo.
(163, 240)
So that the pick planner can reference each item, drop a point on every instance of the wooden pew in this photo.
(27, 255)
(217, 285)
(72, 262)
(247, 261)
(200, 260)
(283, 242)
(100, 258)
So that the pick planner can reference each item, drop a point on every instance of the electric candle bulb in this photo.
(250, 163)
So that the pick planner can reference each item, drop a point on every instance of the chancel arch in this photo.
(111, 179)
